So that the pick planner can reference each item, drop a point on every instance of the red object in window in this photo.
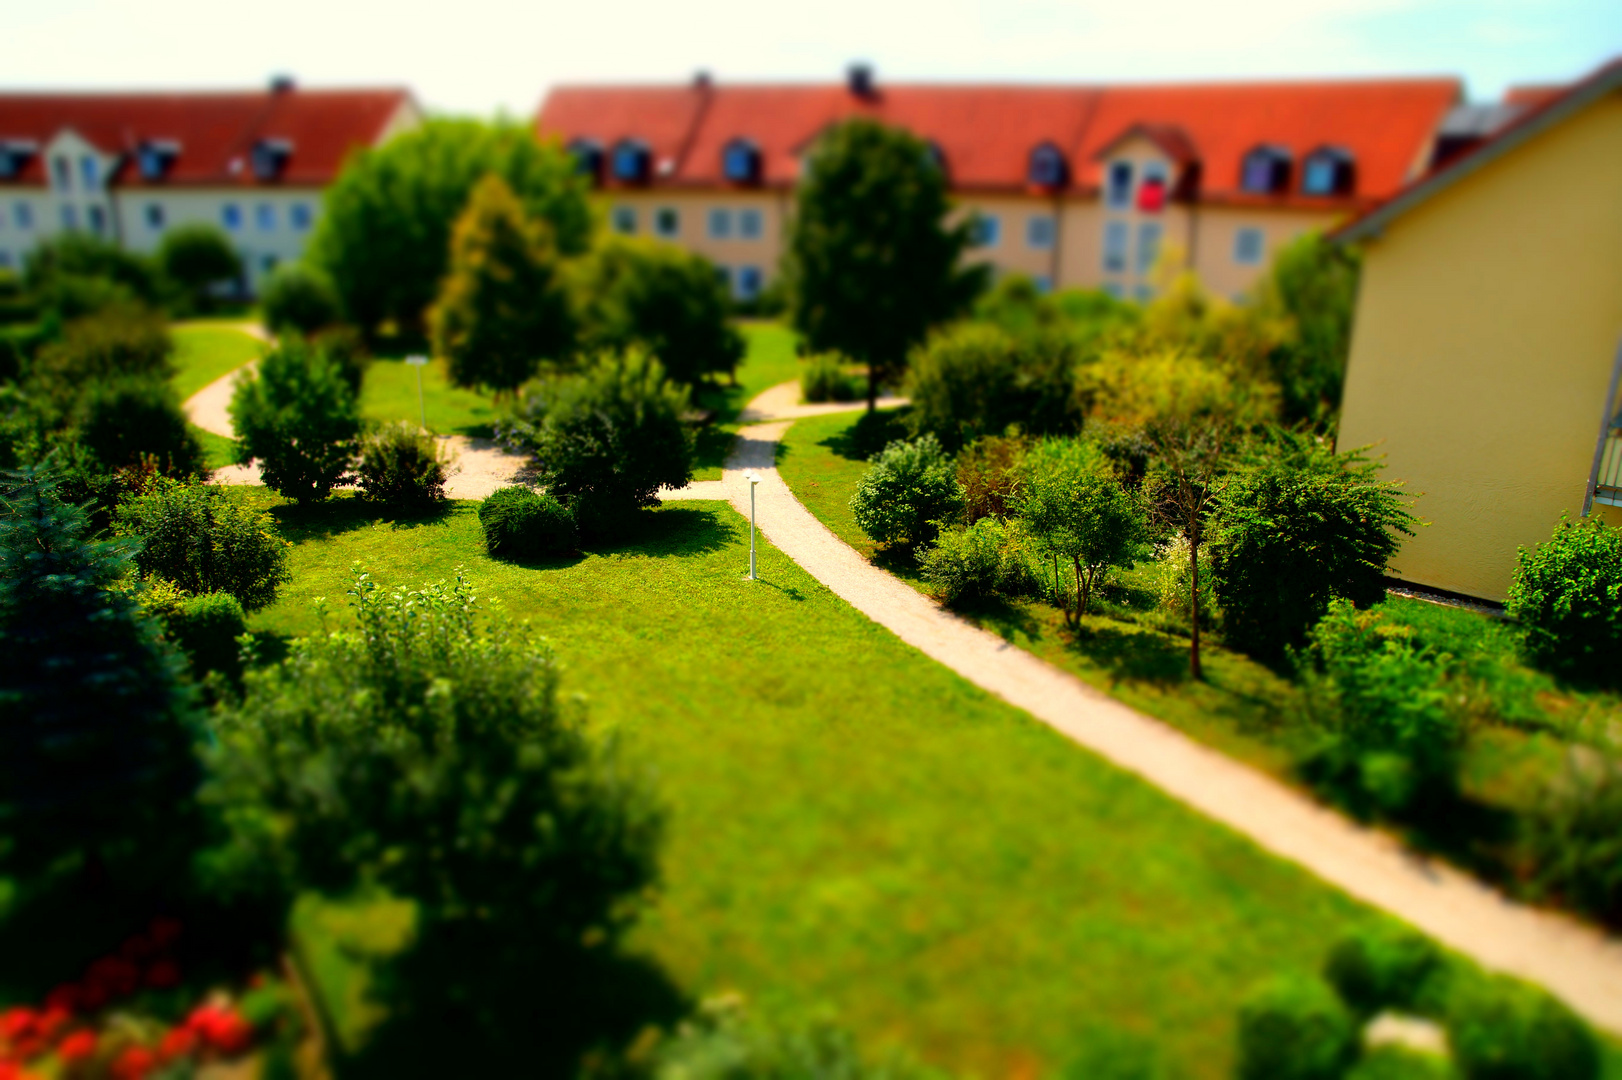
(1152, 196)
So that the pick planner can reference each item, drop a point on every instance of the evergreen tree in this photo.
(503, 308)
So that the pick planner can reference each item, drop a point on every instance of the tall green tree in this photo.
(384, 235)
(298, 417)
(199, 259)
(661, 298)
(503, 307)
(1076, 509)
(1313, 283)
(873, 261)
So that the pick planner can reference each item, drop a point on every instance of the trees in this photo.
(1295, 527)
(872, 261)
(384, 237)
(297, 416)
(907, 490)
(199, 258)
(976, 380)
(503, 308)
(659, 297)
(1314, 284)
(1075, 508)
(606, 440)
(204, 539)
(298, 296)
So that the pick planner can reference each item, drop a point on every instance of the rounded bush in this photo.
(909, 488)
(1390, 1062)
(1295, 1028)
(520, 523)
(206, 627)
(1383, 967)
(204, 540)
(1501, 1029)
(297, 296)
(1567, 597)
(126, 420)
(969, 562)
(825, 379)
(401, 467)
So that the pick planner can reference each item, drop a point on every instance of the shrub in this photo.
(1391, 1062)
(1501, 1029)
(299, 297)
(721, 1043)
(976, 380)
(971, 561)
(1299, 526)
(1567, 597)
(1295, 1028)
(204, 539)
(1075, 508)
(605, 441)
(124, 421)
(204, 627)
(1381, 968)
(520, 523)
(401, 467)
(910, 487)
(199, 258)
(76, 274)
(1575, 837)
(346, 347)
(298, 416)
(120, 341)
(825, 379)
(989, 470)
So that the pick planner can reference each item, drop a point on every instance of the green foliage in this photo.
(1567, 597)
(1501, 1029)
(521, 523)
(300, 297)
(606, 440)
(1375, 969)
(721, 1043)
(96, 726)
(656, 296)
(1312, 283)
(76, 274)
(205, 539)
(1575, 837)
(385, 231)
(1391, 1062)
(117, 342)
(1295, 1028)
(126, 421)
(872, 262)
(503, 307)
(1082, 317)
(989, 470)
(1297, 527)
(1391, 741)
(909, 489)
(1074, 507)
(825, 379)
(401, 467)
(969, 562)
(975, 380)
(422, 749)
(206, 628)
(298, 417)
(200, 259)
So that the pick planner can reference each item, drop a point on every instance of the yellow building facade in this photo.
(1486, 337)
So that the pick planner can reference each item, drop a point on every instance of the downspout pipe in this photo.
(1607, 416)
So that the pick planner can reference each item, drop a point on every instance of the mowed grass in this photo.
(769, 360)
(389, 393)
(208, 349)
(855, 829)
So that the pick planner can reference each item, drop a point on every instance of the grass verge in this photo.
(390, 393)
(770, 360)
(207, 349)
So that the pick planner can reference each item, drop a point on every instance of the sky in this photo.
(485, 56)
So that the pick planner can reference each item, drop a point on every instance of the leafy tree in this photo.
(401, 467)
(873, 263)
(384, 235)
(77, 274)
(199, 258)
(204, 539)
(1297, 527)
(908, 490)
(607, 439)
(297, 415)
(1312, 283)
(125, 421)
(1567, 597)
(976, 380)
(298, 296)
(503, 308)
(1073, 506)
(451, 776)
(663, 299)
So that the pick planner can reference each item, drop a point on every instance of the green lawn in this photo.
(770, 360)
(218, 451)
(854, 827)
(205, 350)
(390, 393)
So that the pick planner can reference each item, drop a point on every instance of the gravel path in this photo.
(1579, 963)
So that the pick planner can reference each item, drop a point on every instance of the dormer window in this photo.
(1266, 171)
(633, 162)
(1327, 171)
(269, 158)
(740, 162)
(154, 157)
(588, 158)
(14, 155)
(1047, 167)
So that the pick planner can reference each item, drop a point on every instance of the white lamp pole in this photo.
(754, 479)
(419, 362)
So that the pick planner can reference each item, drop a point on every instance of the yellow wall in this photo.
(692, 215)
(1215, 233)
(1482, 349)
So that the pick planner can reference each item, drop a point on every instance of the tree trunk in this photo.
(1194, 600)
(872, 387)
(1084, 590)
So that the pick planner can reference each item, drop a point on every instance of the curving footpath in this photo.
(1577, 962)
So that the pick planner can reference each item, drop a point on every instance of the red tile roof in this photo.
(986, 133)
(1534, 96)
(215, 132)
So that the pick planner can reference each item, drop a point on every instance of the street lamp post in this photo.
(419, 362)
(754, 479)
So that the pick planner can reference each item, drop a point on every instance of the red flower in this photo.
(134, 1063)
(221, 1028)
(163, 932)
(113, 976)
(163, 974)
(51, 1021)
(78, 1047)
(17, 1023)
(65, 997)
(178, 1042)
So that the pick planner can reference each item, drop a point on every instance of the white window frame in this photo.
(1041, 230)
(264, 217)
(623, 218)
(1150, 235)
(1240, 255)
(1119, 199)
(987, 230)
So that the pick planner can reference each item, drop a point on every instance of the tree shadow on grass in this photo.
(679, 531)
(868, 435)
(337, 516)
(712, 445)
(1132, 655)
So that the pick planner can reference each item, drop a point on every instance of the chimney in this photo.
(702, 79)
(281, 84)
(859, 80)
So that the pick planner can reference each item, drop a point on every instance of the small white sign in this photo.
(417, 361)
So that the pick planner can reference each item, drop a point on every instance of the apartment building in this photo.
(1076, 186)
(128, 167)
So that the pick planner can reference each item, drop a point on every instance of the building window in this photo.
(5, 260)
(624, 220)
(64, 172)
(90, 171)
(1328, 171)
(264, 216)
(723, 274)
(1247, 247)
(740, 162)
(1044, 284)
(667, 222)
(749, 224)
(1152, 192)
(1115, 241)
(1046, 167)
(267, 263)
(299, 216)
(154, 216)
(749, 281)
(98, 220)
(1148, 246)
(23, 215)
(1119, 189)
(70, 218)
(1266, 170)
(632, 162)
(231, 216)
(1039, 231)
(720, 224)
(985, 230)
